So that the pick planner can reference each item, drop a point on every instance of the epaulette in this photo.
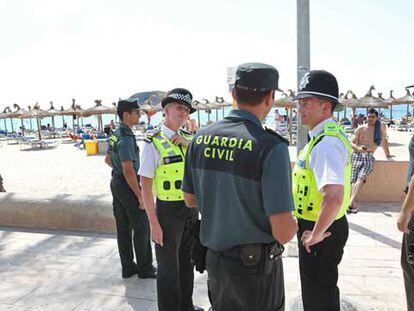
(150, 135)
(269, 130)
(185, 132)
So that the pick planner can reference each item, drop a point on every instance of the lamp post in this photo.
(303, 59)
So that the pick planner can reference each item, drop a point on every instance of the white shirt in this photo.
(150, 157)
(328, 159)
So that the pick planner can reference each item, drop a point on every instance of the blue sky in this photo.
(89, 49)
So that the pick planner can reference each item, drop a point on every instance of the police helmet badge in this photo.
(304, 81)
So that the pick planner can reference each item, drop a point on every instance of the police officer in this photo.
(322, 187)
(405, 224)
(162, 167)
(130, 217)
(238, 175)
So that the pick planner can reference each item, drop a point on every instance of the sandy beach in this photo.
(68, 170)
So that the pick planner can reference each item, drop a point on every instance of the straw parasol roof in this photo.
(286, 101)
(150, 101)
(407, 99)
(5, 113)
(371, 101)
(98, 109)
(73, 110)
(201, 106)
(221, 102)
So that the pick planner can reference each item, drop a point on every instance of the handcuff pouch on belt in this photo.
(250, 254)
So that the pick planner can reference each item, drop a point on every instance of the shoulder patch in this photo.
(153, 133)
(269, 130)
(148, 139)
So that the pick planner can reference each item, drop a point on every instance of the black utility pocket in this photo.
(178, 184)
(250, 254)
(166, 185)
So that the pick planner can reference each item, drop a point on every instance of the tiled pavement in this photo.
(57, 270)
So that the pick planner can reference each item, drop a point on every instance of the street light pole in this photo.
(303, 60)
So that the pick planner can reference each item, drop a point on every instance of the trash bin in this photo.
(102, 146)
(91, 147)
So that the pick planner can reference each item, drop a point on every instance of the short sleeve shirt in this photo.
(127, 150)
(240, 174)
(150, 157)
(328, 159)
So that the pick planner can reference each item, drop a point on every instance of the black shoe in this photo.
(149, 274)
(198, 308)
(127, 273)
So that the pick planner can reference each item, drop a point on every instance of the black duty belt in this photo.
(251, 254)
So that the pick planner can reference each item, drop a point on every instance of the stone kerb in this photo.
(62, 211)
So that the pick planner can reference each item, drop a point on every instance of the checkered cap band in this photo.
(182, 97)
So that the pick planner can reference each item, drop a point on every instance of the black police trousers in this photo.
(408, 272)
(175, 271)
(234, 286)
(319, 269)
(132, 228)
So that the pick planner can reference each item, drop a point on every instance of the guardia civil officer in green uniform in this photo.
(321, 190)
(132, 225)
(238, 176)
(162, 169)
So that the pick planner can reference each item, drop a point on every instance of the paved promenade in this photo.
(56, 270)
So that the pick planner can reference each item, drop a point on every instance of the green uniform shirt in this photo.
(125, 149)
(240, 174)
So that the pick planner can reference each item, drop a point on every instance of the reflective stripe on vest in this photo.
(169, 174)
(306, 195)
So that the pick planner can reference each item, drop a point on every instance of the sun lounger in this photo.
(39, 144)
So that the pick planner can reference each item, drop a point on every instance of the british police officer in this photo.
(162, 168)
(131, 221)
(238, 176)
(322, 187)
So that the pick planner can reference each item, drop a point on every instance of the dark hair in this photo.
(249, 97)
(120, 113)
(374, 111)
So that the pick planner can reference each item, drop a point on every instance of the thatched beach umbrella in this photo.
(286, 101)
(408, 99)
(4, 116)
(199, 106)
(371, 101)
(73, 110)
(52, 112)
(98, 110)
(37, 114)
(150, 102)
(390, 101)
(21, 114)
(220, 102)
(13, 114)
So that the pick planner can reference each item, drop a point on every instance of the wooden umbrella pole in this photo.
(198, 117)
(39, 129)
(21, 121)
